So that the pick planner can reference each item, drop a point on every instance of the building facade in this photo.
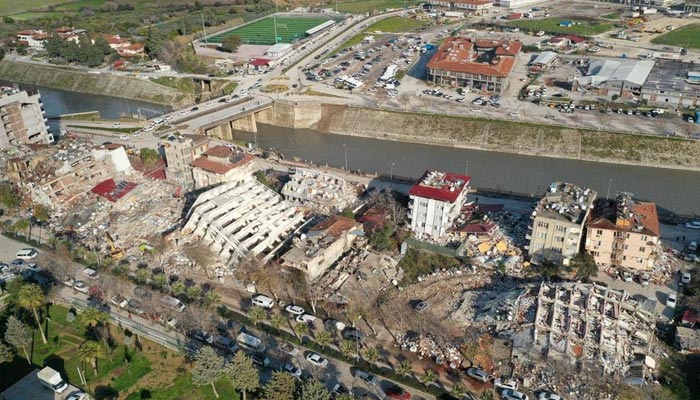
(23, 119)
(221, 164)
(472, 6)
(479, 64)
(624, 233)
(435, 202)
(179, 154)
(558, 223)
(673, 83)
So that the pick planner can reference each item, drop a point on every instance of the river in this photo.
(673, 190)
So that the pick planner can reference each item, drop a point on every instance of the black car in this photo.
(195, 109)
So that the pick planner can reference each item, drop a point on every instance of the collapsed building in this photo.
(321, 191)
(242, 218)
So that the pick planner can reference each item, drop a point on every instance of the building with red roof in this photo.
(436, 201)
(481, 64)
(624, 233)
(221, 164)
(260, 64)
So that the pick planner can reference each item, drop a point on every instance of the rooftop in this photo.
(113, 191)
(672, 76)
(221, 159)
(476, 56)
(334, 225)
(624, 214)
(565, 201)
(443, 186)
(320, 189)
(601, 71)
(687, 339)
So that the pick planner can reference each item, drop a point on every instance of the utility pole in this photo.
(392, 170)
(203, 28)
(345, 148)
(609, 184)
(466, 168)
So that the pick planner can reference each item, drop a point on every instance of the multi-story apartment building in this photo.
(481, 64)
(22, 119)
(558, 223)
(179, 154)
(436, 200)
(221, 164)
(624, 233)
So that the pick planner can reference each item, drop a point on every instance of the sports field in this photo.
(686, 36)
(263, 31)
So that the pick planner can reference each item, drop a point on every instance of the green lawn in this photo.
(184, 85)
(263, 31)
(365, 6)
(416, 263)
(687, 36)
(183, 389)
(551, 25)
(615, 15)
(15, 6)
(397, 24)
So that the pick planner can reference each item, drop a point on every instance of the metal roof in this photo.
(600, 71)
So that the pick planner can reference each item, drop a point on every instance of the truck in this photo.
(52, 380)
(250, 342)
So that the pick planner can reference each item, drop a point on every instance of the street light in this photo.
(609, 184)
(345, 148)
(392, 170)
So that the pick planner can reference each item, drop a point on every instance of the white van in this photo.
(173, 303)
(158, 121)
(27, 254)
(263, 301)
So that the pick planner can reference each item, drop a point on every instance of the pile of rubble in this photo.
(503, 305)
(427, 346)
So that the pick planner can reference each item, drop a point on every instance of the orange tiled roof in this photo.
(460, 55)
(212, 166)
(334, 225)
(644, 215)
(219, 151)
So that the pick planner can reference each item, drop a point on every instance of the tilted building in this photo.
(558, 223)
(23, 119)
(436, 201)
(624, 233)
(180, 151)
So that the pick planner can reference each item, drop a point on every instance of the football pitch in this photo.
(263, 31)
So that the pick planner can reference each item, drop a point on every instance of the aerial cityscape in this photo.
(350, 199)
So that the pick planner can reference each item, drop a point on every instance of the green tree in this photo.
(142, 275)
(344, 396)
(584, 266)
(380, 239)
(458, 390)
(487, 395)
(177, 288)
(282, 386)
(99, 320)
(9, 196)
(154, 42)
(31, 297)
(231, 43)
(301, 328)
(211, 300)
(149, 157)
(18, 335)
(160, 280)
(2, 53)
(256, 315)
(549, 269)
(243, 374)
(348, 213)
(370, 354)
(208, 368)
(6, 353)
(348, 347)
(21, 226)
(323, 339)
(91, 351)
(277, 321)
(314, 390)
(8, 20)
(53, 46)
(428, 378)
(41, 212)
(404, 368)
(193, 292)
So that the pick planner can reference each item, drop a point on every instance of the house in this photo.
(564, 41)
(322, 245)
(278, 50)
(480, 230)
(544, 59)
(481, 64)
(624, 233)
(124, 47)
(472, 6)
(687, 340)
(33, 38)
(221, 164)
(260, 64)
(436, 201)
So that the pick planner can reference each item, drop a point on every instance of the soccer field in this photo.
(263, 31)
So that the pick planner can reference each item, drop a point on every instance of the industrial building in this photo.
(516, 3)
(480, 64)
(23, 119)
(323, 192)
(314, 251)
(472, 6)
(624, 233)
(435, 202)
(278, 50)
(180, 151)
(221, 164)
(558, 223)
(614, 77)
(242, 218)
(673, 83)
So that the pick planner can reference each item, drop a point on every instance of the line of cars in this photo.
(508, 388)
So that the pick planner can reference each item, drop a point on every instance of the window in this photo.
(559, 239)
(543, 225)
(560, 228)
(642, 249)
(644, 238)
(539, 246)
(599, 232)
(541, 235)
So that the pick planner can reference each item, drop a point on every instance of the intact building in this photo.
(558, 222)
(517, 3)
(473, 6)
(673, 83)
(481, 64)
(23, 119)
(179, 154)
(624, 233)
(435, 202)
(221, 164)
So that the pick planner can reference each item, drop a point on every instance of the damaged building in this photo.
(180, 151)
(221, 164)
(436, 200)
(23, 119)
(242, 218)
(323, 192)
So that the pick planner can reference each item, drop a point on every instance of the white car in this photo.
(685, 278)
(79, 395)
(478, 374)
(548, 396)
(693, 225)
(295, 310)
(510, 394)
(137, 133)
(308, 318)
(316, 359)
(117, 125)
(148, 128)
(503, 383)
(80, 286)
(671, 300)
(124, 137)
(182, 112)
(292, 369)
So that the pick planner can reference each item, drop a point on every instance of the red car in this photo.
(397, 393)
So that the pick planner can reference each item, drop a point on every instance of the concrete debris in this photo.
(324, 192)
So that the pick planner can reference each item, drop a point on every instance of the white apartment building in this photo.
(435, 201)
(23, 119)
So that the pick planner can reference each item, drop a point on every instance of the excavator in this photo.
(114, 251)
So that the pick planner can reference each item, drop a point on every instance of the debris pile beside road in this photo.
(428, 346)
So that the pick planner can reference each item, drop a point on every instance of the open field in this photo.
(365, 6)
(397, 24)
(263, 31)
(11, 7)
(687, 36)
(551, 25)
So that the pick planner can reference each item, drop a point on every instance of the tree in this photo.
(348, 347)
(348, 213)
(323, 339)
(380, 239)
(21, 225)
(277, 321)
(211, 300)
(142, 275)
(345, 396)
(154, 41)
(458, 390)
(231, 43)
(160, 280)
(301, 328)
(193, 292)
(428, 378)
(92, 317)
(41, 212)
(314, 390)
(243, 374)
(90, 351)
(549, 269)
(149, 157)
(404, 368)
(256, 314)
(9, 196)
(282, 386)
(18, 335)
(177, 288)
(31, 297)
(6, 353)
(208, 368)
(583, 264)
(2, 53)
(371, 355)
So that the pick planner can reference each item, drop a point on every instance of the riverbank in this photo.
(503, 136)
(99, 84)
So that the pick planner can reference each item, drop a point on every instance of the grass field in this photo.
(365, 6)
(397, 24)
(551, 25)
(263, 31)
(11, 6)
(687, 36)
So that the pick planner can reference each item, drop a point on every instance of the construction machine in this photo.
(114, 251)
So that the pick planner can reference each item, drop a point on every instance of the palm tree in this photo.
(96, 318)
(428, 378)
(90, 351)
(404, 368)
(31, 297)
(277, 321)
(256, 315)
(302, 328)
(211, 300)
(371, 355)
(177, 288)
(458, 390)
(348, 347)
(323, 339)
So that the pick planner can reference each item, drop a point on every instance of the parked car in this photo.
(141, 292)
(644, 279)
(27, 254)
(292, 369)
(80, 286)
(124, 137)
(478, 374)
(333, 325)
(260, 360)
(119, 301)
(545, 395)
(353, 334)
(287, 348)
(397, 393)
(693, 225)
(503, 383)
(685, 278)
(339, 389)
(671, 300)
(77, 395)
(135, 307)
(201, 335)
(366, 376)
(316, 359)
(294, 310)
(626, 276)
(421, 306)
(308, 318)
(510, 394)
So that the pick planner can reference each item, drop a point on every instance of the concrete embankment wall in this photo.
(82, 82)
(492, 135)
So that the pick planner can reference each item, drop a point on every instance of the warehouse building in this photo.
(615, 77)
(673, 84)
